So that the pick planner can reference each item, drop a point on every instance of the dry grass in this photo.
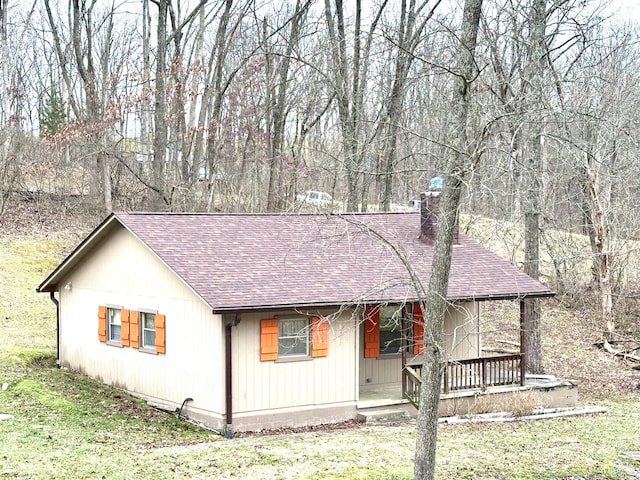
(518, 404)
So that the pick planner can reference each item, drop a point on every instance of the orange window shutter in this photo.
(319, 337)
(124, 329)
(160, 333)
(102, 323)
(371, 332)
(268, 340)
(134, 329)
(418, 329)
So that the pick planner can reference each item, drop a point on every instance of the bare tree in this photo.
(461, 158)
(277, 105)
(90, 114)
(412, 24)
(348, 79)
(596, 133)
(532, 173)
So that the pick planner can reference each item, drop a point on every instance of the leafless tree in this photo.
(410, 33)
(277, 105)
(462, 155)
(348, 79)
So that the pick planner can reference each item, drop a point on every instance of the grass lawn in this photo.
(66, 426)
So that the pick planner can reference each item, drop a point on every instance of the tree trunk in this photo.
(215, 90)
(533, 185)
(349, 86)
(145, 107)
(601, 230)
(459, 164)
(160, 113)
(4, 5)
(192, 161)
(409, 37)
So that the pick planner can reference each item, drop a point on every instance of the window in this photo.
(390, 330)
(132, 328)
(383, 330)
(114, 325)
(293, 337)
(148, 325)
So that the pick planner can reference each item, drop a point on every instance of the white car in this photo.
(312, 196)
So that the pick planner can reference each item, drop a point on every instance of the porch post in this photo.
(403, 348)
(405, 333)
(522, 342)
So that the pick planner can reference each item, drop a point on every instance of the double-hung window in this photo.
(293, 337)
(113, 325)
(148, 324)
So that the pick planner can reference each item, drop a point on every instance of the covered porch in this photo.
(487, 382)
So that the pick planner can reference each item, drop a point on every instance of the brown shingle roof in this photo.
(238, 261)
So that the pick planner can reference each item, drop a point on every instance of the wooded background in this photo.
(239, 105)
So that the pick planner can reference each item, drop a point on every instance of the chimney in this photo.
(429, 211)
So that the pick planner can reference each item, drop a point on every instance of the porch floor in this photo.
(389, 394)
(380, 395)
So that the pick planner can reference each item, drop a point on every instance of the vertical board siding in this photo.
(310, 382)
(461, 336)
(193, 335)
(381, 370)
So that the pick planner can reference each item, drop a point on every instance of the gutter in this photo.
(391, 301)
(52, 296)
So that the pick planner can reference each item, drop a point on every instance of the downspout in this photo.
(52, 296)
(228, 375)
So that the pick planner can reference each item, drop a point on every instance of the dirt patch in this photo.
(310, 428)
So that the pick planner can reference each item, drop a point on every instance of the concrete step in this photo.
(383, 415)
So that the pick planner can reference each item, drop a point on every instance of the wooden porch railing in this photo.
(467, 374)
(483, 372)
(411, 383)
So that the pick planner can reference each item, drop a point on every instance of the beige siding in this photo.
(277, 386)
(122, 272)
(461, 331)
(378, 371)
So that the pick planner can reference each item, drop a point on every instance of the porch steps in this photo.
(383, 415)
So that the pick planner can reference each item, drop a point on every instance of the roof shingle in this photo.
(251, 261)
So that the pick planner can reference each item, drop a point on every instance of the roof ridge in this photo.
(262, 214)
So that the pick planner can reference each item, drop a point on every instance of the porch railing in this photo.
(467, 374)
(483, 372)
(411, 383)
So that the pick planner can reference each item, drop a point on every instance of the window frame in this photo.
(386, 319)
(108, 310)
(142, 314)
(303, 333)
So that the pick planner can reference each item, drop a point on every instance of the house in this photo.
(253, 321)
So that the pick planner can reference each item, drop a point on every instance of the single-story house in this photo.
(253, 321)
